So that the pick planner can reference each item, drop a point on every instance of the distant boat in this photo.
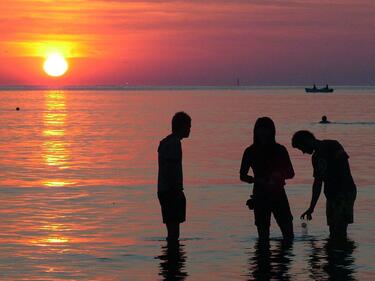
(314, 89)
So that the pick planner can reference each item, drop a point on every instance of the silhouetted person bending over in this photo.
(271, 166)
(170, 184)
(331, 166)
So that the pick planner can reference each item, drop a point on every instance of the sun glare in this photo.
(55, 65)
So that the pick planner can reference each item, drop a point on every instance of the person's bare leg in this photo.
(263, 233)
(287, 231)
(173, 231)
(338, 231)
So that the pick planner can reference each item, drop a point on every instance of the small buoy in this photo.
(17, 108)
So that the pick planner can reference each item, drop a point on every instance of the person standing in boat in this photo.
(271, 166)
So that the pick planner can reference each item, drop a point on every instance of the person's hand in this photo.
(307, 214)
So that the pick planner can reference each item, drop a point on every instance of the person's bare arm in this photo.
(245, 167)
(288, 167)
(316, 190)
(246, 178)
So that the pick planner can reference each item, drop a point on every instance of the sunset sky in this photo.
(116, 42)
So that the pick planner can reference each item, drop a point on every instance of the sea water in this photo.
(78, 177)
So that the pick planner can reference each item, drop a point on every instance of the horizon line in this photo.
(162, 87)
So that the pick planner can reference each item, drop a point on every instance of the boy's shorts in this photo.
(340, 210)
(173, 206)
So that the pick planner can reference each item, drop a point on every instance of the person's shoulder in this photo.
(338, 150)
(249, 150)
(331, 144)
(170, 142)
(334, 148)
(280, 147)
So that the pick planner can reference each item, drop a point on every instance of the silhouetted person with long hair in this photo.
(331, 166)
(271, 166)
(170, 183)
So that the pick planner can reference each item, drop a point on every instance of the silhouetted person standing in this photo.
(271, 166)
(170, 183)
(331, 166)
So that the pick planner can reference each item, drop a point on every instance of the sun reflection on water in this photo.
(55, 148)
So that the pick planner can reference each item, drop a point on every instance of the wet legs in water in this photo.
(338, 231)
(173, 231)
(286, 230)
(263, 233)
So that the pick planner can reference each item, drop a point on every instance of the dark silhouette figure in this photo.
(172, 262)
(271, 166)
(17, 108)
(324, 120)
(170, 184)
(314, 87)
(271, 263)
(331, 166)
(332, 260)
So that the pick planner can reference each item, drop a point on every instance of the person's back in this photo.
(269, 163)
(330, 163)
(170, 164)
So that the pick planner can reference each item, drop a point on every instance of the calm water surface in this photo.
(78, 173)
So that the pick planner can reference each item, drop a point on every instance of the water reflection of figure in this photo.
(332, 260)
(172, 262)
(271, 263)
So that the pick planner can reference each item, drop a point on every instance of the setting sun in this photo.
(55, 65)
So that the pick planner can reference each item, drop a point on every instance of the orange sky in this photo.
(116, 42)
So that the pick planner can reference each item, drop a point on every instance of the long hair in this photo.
(264, 123)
